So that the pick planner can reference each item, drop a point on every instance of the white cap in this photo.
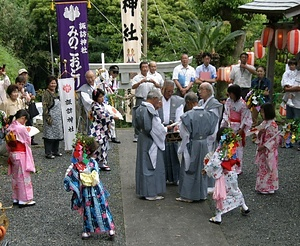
(22, 70)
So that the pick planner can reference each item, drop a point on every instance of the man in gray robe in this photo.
(150, 169)
(85, 94)
(210, 103)
(172, 109)
(196, 125)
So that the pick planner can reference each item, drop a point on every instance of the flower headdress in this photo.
(228, 144)
(83, 147)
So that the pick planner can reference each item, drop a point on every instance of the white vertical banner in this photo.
(67, 99)
(131, 28)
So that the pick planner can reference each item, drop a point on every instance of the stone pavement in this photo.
(164, 222)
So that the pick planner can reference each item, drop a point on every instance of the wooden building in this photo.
(276, 11)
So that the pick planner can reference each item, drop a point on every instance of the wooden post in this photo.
(145, 44)
(271, 65)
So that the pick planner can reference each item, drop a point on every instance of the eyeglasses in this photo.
(115, 72)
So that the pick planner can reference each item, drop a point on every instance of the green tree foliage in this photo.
(212, 36)
(227, 11)
(105, 31)
(12, 63)
(25, 26)
(166, 40)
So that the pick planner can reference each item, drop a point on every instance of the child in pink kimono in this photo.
(267, 152)
(238, 117)
(221, 166)
(20, 160)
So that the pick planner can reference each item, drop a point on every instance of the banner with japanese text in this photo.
(73, 38)
(67, 98)
(131, 28)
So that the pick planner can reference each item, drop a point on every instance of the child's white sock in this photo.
(244, 206)
(218, 216)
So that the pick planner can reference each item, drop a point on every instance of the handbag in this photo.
(32, 110)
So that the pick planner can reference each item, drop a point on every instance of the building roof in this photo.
(273, 7)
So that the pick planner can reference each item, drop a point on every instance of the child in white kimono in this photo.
(221, 165)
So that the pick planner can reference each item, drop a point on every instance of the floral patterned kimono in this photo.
(237, 115)
(99, 129)
(89, 200)
(267, 160)
(21, 163)
(227, 193)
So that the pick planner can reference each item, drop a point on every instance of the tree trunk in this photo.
(239, 48)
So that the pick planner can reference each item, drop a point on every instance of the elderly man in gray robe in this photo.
(172, 109)
(196, 125)
(85, 93)
(209, 102)
(150, 169)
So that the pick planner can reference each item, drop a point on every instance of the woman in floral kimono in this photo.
(89, 196)
(20, 159)
(267, 152)
(238, 117)
(222, 167)
(100, 127)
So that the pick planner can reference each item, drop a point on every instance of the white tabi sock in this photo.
(244, 206)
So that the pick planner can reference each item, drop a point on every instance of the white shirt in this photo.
(184, 75)
(166, 110)
(156, 77)
(3, 86)
(143, 88)
(241, 76)
(289, 77)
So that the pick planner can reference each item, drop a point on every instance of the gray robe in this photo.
(172, 163)
(199, 124)
(212, 104)
(150, 181)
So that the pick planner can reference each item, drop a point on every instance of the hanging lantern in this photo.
(224, 74)
(267, 36)
(280, 38)
(259, 50)
(250, 60)
(293, 39)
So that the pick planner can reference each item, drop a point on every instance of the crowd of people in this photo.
(210, 129)
(205, 158)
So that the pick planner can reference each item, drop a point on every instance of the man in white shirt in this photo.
(241, 74)
(183, 76)
(142, 83)
(153, 74)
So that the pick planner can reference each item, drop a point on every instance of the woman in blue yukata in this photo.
(89, 196)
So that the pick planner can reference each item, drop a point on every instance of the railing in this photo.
(128, 70)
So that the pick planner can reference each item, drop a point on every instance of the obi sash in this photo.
(234, 116)
(18, 147)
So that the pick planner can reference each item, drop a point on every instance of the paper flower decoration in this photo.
(291, 129)
(228, 144)
(255, 98)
